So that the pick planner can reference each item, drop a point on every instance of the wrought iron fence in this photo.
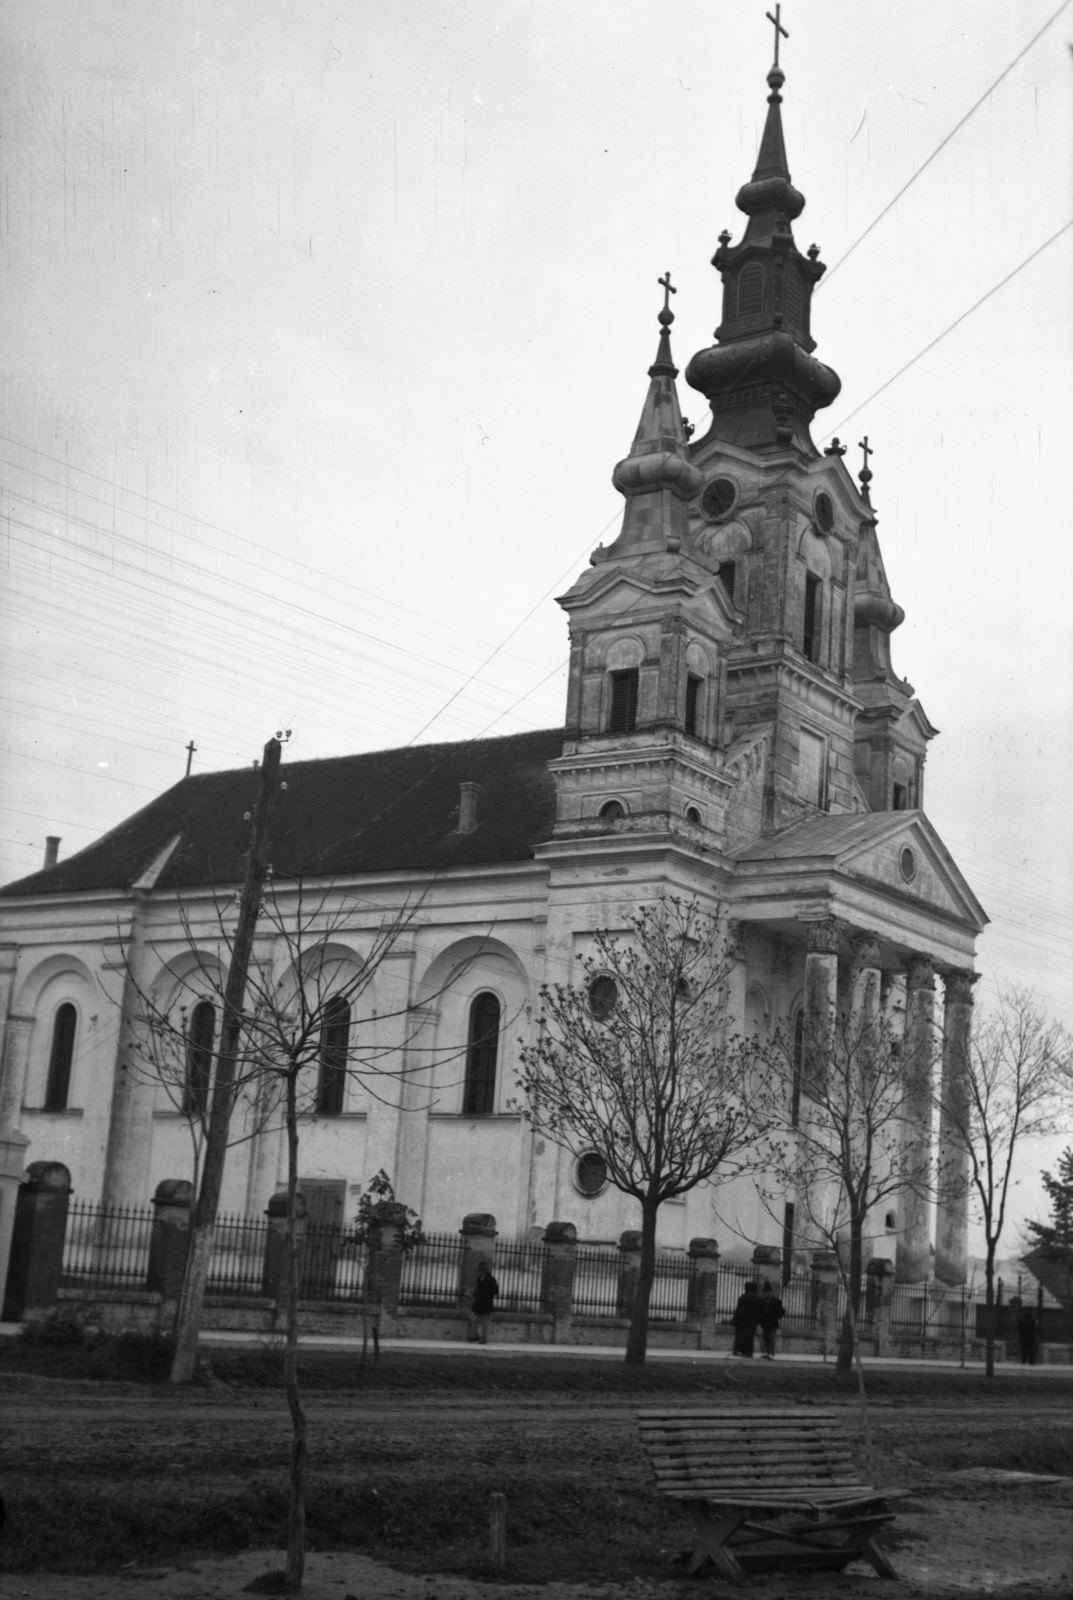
(519, 1271)
(432, 1272)
(596, 1280)
(672, 1288)
(106, 1247)
(238, 1256)
(932, 1311)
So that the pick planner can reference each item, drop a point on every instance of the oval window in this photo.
(603, 997)
(908, 865)
(590, 1174)
(719, 497)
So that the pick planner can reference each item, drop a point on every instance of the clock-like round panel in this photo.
(718, 498)
(824, 512)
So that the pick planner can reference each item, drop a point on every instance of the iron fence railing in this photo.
(238, 1256)
(519, 1271)
(596, 1280)
(672, 1288)
(432, 1272)
(106, 1247)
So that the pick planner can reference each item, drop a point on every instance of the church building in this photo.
(734, 731)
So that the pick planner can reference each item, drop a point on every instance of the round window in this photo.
(590, 1174)
(603, 997)
(719, 497)
(824, 511)
(908, 865)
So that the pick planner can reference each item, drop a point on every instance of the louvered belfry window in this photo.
(334, 1051)
(624, 701)
(693, 684)
(482, 1051)
(199, 1045)
(60, 1058)
(810, 642)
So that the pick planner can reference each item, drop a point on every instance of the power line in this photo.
(939, 337)
(829, 274)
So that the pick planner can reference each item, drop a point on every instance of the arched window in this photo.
(334, 1052)
(482, 1050)
(60, 1057)
(199, 1046)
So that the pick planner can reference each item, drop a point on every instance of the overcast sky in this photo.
(326, 325)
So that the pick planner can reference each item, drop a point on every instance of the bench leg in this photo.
(712, 1534)
(868, 1551)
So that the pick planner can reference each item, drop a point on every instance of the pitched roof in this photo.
(382, 811)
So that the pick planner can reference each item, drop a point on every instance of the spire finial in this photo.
(865, 474)
(779, 29)
(666, 316)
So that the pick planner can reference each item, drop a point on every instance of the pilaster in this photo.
(952, 1204)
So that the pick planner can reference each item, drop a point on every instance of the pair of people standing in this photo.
(758, 1310)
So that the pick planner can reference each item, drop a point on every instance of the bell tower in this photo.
(650, 630)
(789, 533)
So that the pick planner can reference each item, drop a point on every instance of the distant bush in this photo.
(62, 1344)
(59, 1329)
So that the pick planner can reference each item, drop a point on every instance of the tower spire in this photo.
(657, 477)
(764, 344)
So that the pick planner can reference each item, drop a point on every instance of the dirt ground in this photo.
(968, 1528)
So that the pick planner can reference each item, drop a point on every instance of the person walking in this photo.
(772, 1312)
(483, 1304)
(1026, 1334)
(746, 1320)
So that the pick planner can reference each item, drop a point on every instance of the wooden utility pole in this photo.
(188, 1324)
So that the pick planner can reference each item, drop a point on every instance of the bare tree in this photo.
(1008, 1091)
(843, 1095)
(304, 1033)
(634, 1062)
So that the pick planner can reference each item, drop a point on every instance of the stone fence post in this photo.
(879, 1296)
(629, 1270)
(557, 1290)
(169, 1243)
(273, 1273)
(825, 1297)
(13, 1147)
(478, 1244)
(383, 1268)
(704, 1290)
(33, 1275)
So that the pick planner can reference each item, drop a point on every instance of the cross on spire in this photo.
(778, 29)
(667, 315)
(868, 451)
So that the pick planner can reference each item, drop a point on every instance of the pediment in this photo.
(662, 584)
(898, 853)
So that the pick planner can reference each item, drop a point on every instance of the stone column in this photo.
(704, 1290)
(629, 1270)
(913, 1263)
(17, 1036)
(821, 994)
(866, 979)
(169, 1243)
(272, 1275)
(130, 1126)
(952, 1207)
(478, 1244)
(557, 1292)
(37, 1240)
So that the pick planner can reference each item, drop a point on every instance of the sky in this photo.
(324, 327)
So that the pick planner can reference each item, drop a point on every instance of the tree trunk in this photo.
(847, 1338)
(989, 1313)
(296, 1518)
(637, 1338)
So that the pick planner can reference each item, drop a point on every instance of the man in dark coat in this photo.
(772, 1312)
(1026, 1334)
(746, 1320)
(484, 1303)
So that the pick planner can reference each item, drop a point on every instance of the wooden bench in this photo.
(738, 1469)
